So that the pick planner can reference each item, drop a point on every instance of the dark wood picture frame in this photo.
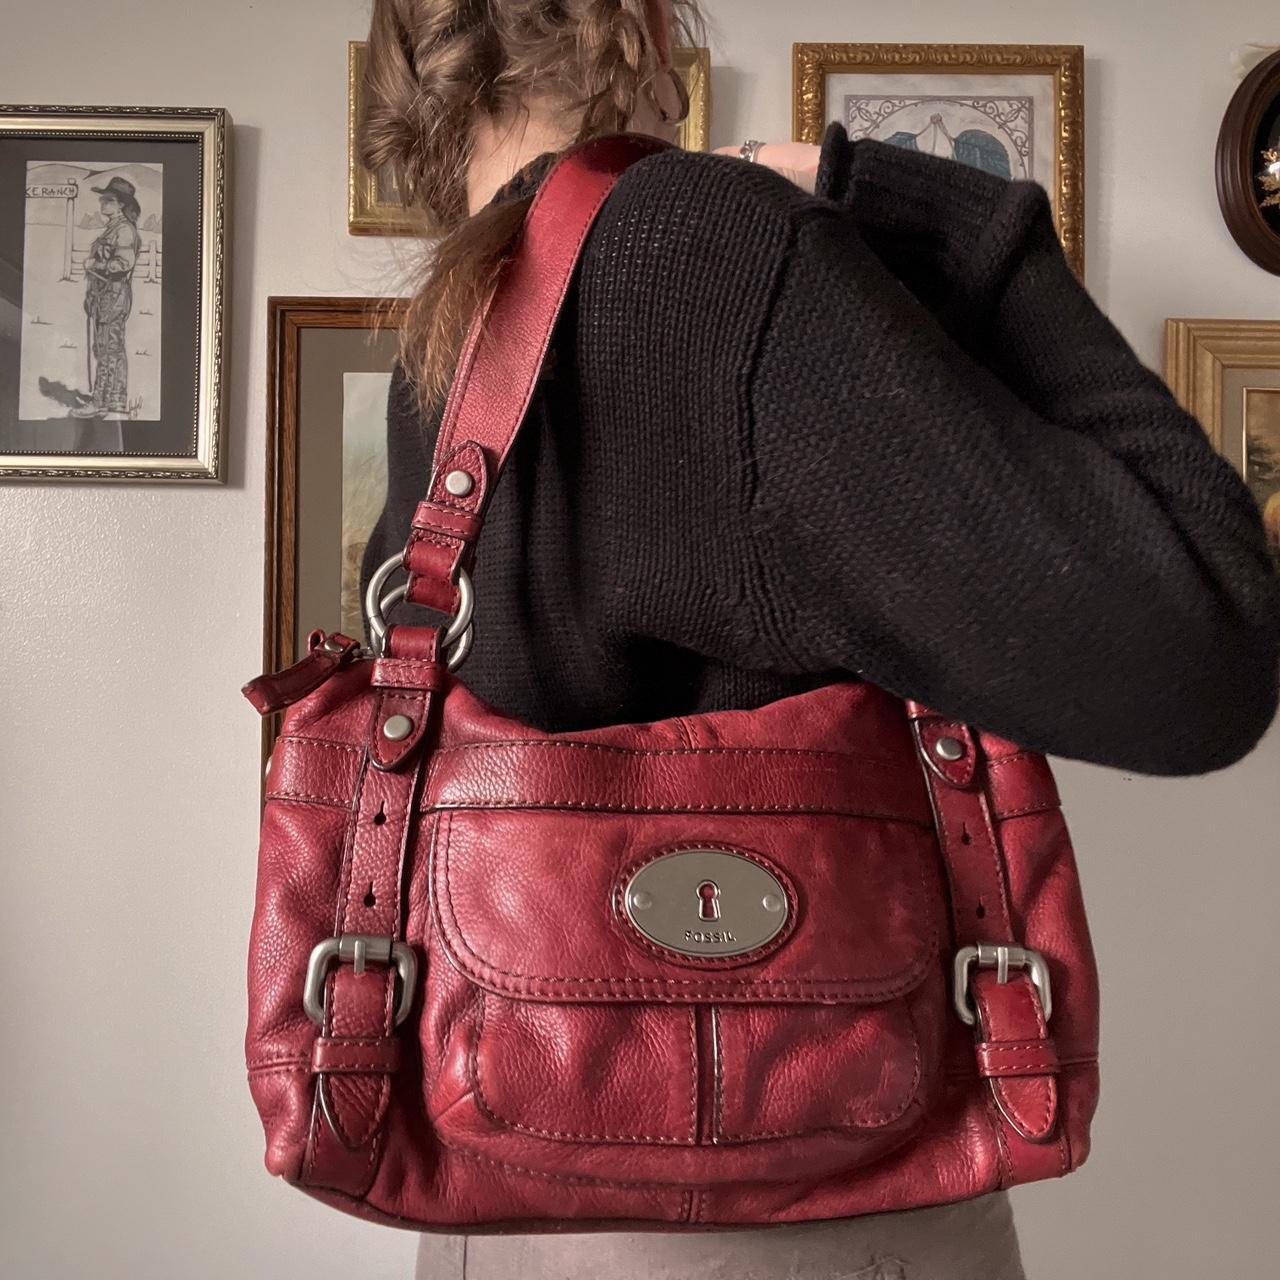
(288, 319)
(1255, 108)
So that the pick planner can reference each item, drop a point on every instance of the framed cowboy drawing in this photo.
(1013, 110)
(112, 268)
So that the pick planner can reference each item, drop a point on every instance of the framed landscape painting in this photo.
(374, 207)
(112, 276)
(329, 363)
(1227, 373)
(1012, 110)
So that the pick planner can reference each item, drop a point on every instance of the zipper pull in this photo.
(326, 654)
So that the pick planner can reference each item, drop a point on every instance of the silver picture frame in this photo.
(113, 293)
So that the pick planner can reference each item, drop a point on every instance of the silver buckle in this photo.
(460, 632)
(1001, 957)
(358, 949)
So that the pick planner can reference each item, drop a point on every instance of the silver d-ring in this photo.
(458, 636)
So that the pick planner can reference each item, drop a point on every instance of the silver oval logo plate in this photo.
(706, 902)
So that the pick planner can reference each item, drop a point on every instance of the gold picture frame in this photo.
(961, 79)
(694, 67)
(373, 205)
(1227, 373)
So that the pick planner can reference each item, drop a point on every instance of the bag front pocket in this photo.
(560, 1038)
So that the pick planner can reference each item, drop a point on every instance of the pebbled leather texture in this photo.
(556, 1067)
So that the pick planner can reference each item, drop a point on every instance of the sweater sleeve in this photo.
(1040, 542)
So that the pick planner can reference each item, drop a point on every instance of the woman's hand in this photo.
(796, 161)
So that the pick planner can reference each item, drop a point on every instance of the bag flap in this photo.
(533, 904)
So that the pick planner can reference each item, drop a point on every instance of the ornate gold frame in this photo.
(812, 63)
(1198, 353)
(366, 214)
(212, 126)
(694, 65)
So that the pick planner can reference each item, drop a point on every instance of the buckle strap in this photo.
(1018, 1058)
(1002, 957)
(358, 950)
(366, 978)
(445, 527)
(1011, 1019)
(355, 1055)
(1005, 981)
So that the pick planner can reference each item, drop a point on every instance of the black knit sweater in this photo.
(881, 430)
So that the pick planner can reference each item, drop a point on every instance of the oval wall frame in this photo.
(1250, 205)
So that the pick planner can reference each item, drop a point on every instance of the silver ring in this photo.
(750, 150)
(457, 638)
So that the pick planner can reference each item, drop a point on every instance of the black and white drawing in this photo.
(993, 132)
(112, 293)
(93, 269)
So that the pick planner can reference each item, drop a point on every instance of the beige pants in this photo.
(975, 1240)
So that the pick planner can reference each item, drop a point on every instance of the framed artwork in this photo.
(373, 199)
(1013, 110)
(112, 293)
(329, 365)
(1248, 165)
(1227, 373)
(694, 67)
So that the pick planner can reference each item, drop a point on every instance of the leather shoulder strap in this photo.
(502, 359)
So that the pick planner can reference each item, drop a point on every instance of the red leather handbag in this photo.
(820, 959)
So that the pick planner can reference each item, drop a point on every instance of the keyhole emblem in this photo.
(708, 900)
(705, 902)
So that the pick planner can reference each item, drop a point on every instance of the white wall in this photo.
(131, 616)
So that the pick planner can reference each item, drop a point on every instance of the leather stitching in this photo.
(331, 802)
(783, 752)
(693, 1073)
(865, 1120)
(572, 1179)
(717, 1114)
(1030, 1129)
(592, 806)
(530, 985)
(487, 1109)
(320, 742)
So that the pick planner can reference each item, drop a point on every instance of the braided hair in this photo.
(438, 67)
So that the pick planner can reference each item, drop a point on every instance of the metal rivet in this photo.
(771, 902)
(397, 728)
(459, 483)
(641, 901)
(949, 749)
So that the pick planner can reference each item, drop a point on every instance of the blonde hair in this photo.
(436, 68)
